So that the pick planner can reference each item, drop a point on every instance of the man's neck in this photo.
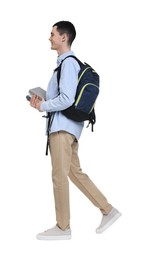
(63, 50)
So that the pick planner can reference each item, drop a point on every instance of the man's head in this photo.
(65, 27)
(62, 35)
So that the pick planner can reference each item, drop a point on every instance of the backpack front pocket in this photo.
(87, 97)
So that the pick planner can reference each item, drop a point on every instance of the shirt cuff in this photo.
(42, 107)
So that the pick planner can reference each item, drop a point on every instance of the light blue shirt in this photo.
(60, 99)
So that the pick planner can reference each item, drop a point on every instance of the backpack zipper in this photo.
(82, 90)
(83, 73)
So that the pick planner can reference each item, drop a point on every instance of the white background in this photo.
(110, 36)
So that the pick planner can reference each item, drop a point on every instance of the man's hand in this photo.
(36, 102)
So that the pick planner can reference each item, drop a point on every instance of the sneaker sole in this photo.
(100, 230)
(66, 237)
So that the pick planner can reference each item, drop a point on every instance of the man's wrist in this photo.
(41, 106)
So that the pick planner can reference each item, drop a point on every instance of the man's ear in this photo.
(64, 37)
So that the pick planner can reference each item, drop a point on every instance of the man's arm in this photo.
(67, 88)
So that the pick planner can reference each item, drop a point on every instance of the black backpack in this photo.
(86, 93)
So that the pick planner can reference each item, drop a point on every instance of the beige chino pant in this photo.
(65, 163)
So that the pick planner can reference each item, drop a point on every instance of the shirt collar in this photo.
(63, 56)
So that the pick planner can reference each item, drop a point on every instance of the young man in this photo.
(63, 140)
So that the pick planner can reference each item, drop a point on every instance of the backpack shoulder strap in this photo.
(74, 57)
(58, 69)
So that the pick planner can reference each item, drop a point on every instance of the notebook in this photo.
(38, 91)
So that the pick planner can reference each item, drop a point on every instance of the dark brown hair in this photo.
(68, 28)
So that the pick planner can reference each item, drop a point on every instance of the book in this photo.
(38, 91)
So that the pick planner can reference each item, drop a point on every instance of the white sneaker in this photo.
(108, 220)
(55, 233)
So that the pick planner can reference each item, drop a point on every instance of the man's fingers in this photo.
(33, 101)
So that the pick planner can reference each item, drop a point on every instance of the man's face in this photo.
(56, 39)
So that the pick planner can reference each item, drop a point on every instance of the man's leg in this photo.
(83, 182)
(61, 156)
